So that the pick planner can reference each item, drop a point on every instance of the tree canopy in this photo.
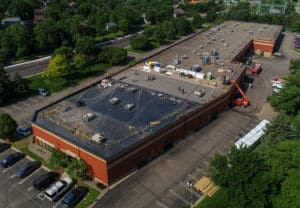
(7, 126)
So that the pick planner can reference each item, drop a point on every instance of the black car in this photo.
(4, 146)
(11, 159)
(27, 168)
(44, 180)
(74, 197)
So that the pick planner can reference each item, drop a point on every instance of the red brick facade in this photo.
(263, 45)
(98, 166)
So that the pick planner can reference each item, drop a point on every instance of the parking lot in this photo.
(18, 192)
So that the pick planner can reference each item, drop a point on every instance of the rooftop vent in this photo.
(80, 103)
(195, 68)
(185, 57)
(89, 116)
(129, 106)
(114, 101)
(98, 138)
(68, 108)
(133, 90)
(214, 52)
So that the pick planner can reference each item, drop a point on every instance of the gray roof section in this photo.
(121, 128)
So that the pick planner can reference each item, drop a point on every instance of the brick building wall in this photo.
(262, 45)
(97, 165)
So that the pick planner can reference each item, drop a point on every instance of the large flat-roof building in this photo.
(121, 123)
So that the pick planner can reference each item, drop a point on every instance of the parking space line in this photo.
(41, 196)
(7, 169)
(12, 176)
(179, 197)
(30, 188)
(32, 174)
(161, 204)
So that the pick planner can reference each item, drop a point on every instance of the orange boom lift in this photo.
(244, 102)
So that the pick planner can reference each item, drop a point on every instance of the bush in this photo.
(77, 168)
(58, 159)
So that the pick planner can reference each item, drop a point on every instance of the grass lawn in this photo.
(89, 199)
(109, 36)
(219, 200)
(58, 84)
(22, 145)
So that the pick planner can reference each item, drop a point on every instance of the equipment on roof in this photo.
(80, 103)
(256, 69)
(205, 59)
(214, 52)
(129, 106)
(195, 68)
(98, 138)
(114, 101)
(244, 102)
(89, 116)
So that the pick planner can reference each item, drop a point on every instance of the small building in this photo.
(110, 25)
(10, 20)
(38, 15)
(178, 12)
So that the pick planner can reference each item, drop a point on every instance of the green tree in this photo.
(58, 159)
(112, 55)
(244, 175)
(7, 126)
(77, 168)
(64, 51)
(16, 40)
(85, 45)
(50, 34)
(20, 86)
(58, 67)
(23, 8)
(211, 15)
(197, 21)
(183, 26)
(4, 5)
(6, 87)
(140, 42)
(81, 62)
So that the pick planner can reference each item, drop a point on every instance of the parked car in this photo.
(44, 180)
(43, 92)
(11, 159)
(59, 188)
(24, 129)
(27, 168)
(74, 197)
(4, 146)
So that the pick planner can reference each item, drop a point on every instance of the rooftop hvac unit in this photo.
(133, 90)
(176, 61)
(129, 106)
(185, 57)
(206, 60)
(114, 101)
(98, 138)
(89, 116)
(195, 68)
(214, 52)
